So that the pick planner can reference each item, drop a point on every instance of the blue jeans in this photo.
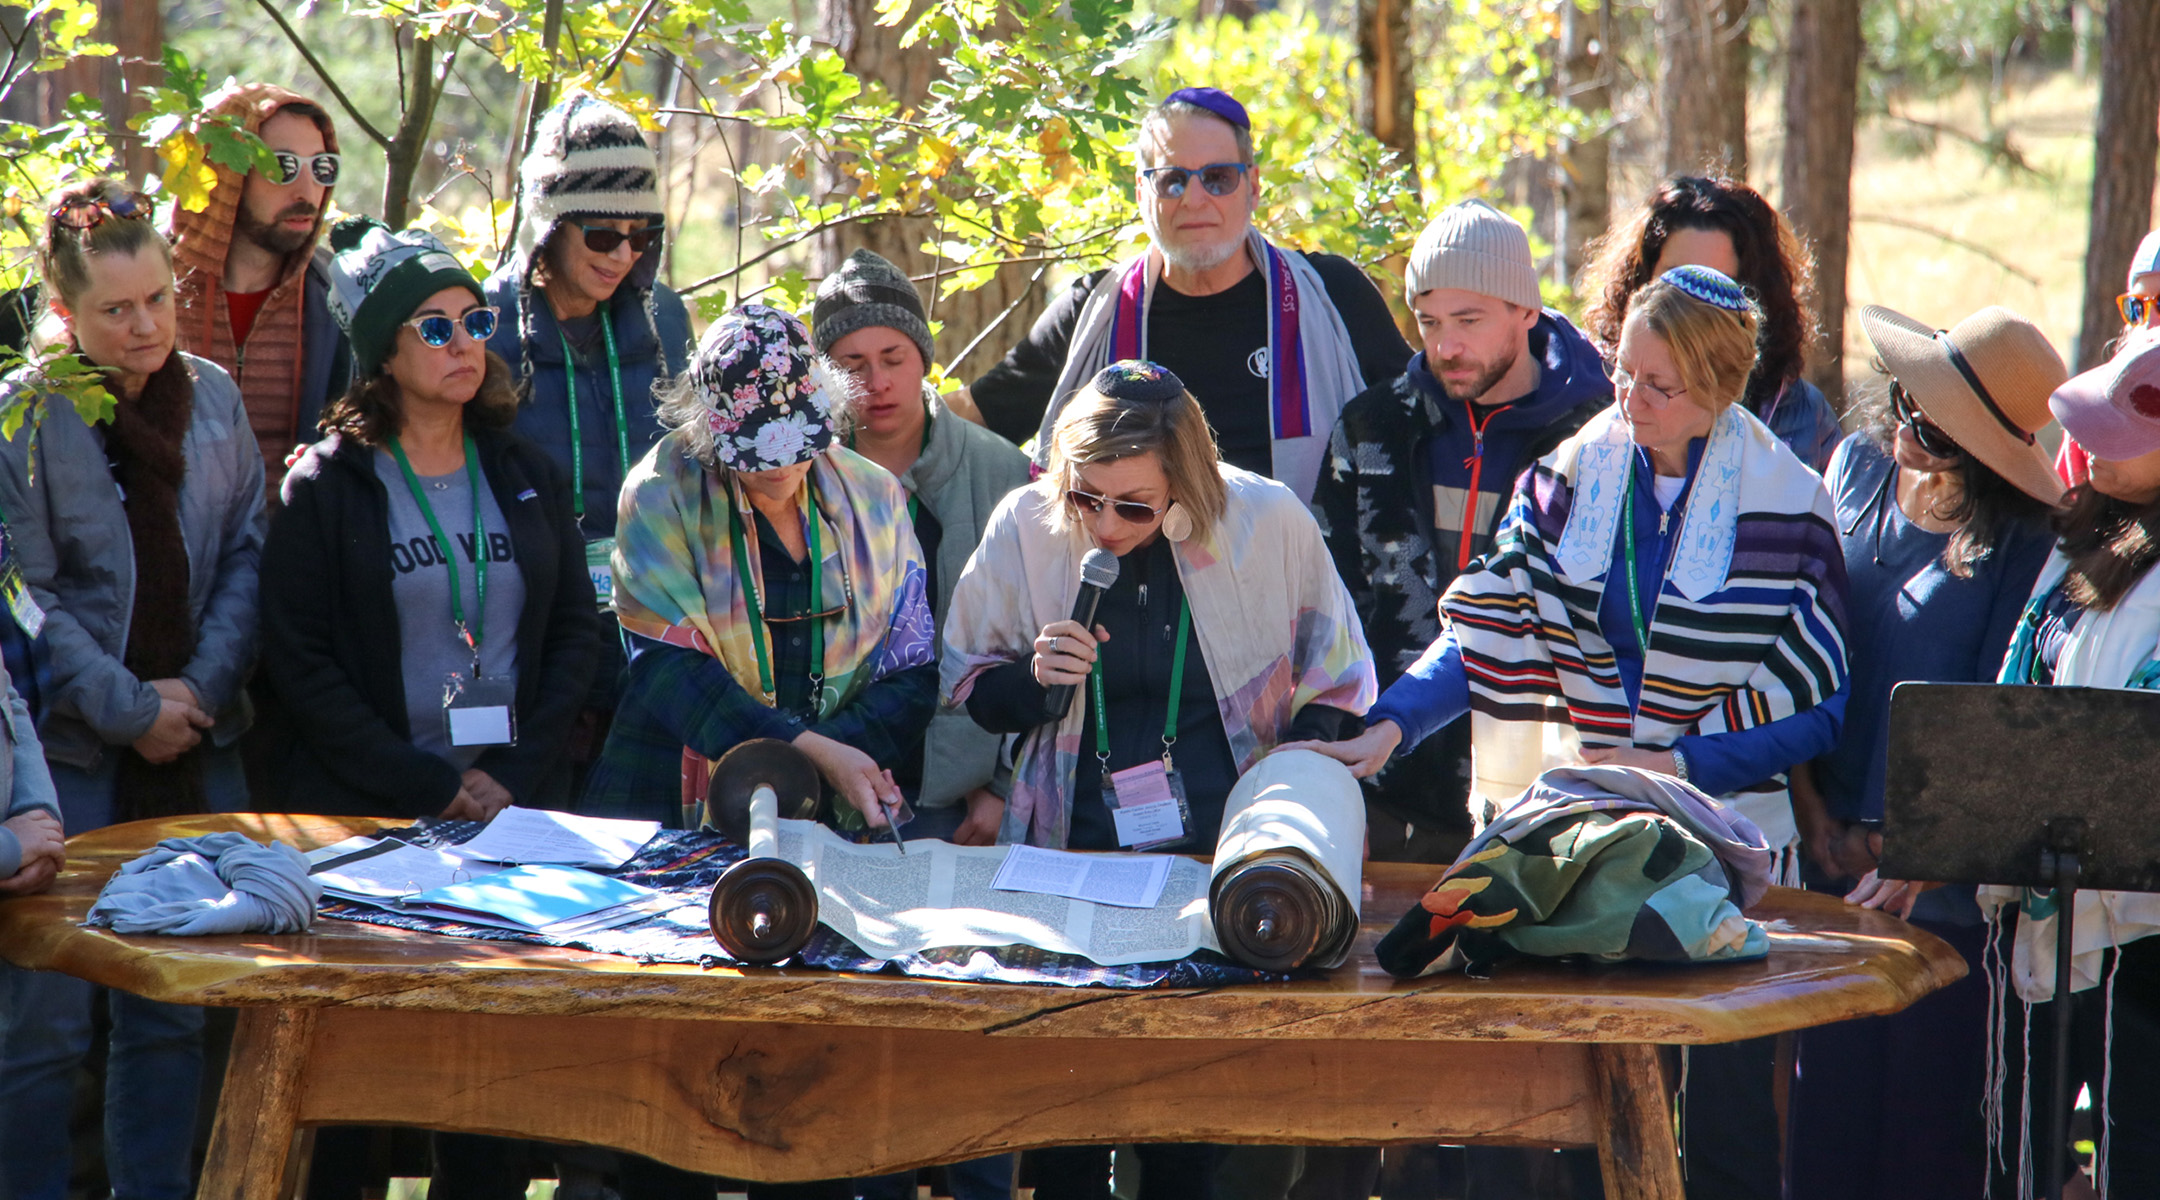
(154, 1062)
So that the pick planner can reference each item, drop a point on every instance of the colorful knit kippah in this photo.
(1216, 101)
(1133, 380)
(1708, 286)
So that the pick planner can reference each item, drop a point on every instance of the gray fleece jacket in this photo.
(962, 474)
(71, 534)
(25, 783)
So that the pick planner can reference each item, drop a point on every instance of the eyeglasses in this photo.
(322, 167)
(89, 212)
(1218, 179)
(436, 329)
(1930, 435)
(2135, 308)
(600, 239)
(840, 609)
(1132, 512)
(1624, 380)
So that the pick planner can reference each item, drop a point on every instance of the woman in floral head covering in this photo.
(768, 583)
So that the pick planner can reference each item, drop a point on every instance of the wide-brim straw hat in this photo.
(1985, 381)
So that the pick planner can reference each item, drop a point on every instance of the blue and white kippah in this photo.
(1134, 380)
(1708, 286)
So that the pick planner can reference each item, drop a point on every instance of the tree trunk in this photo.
(873, 54)
(1389, 105)
(1702, 90)
(1585, 166)
(409, 144)
(1822, 97)
(2125, 145)
(137, 28)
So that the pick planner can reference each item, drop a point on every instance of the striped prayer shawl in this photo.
(1748, 627)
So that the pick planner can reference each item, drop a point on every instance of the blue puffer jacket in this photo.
(641, 342)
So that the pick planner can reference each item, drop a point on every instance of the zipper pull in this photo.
(1663, 519)
(1143, 595)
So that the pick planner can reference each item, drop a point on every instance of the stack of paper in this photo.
(550, 900)
(389, 871)
(535, 835)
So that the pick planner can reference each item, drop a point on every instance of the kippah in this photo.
(1708, 286)
(1134, 380)
(1216, 101)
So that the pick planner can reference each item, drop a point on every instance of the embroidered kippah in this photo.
(1708, 286)
(1216, 101)
(1134, 380)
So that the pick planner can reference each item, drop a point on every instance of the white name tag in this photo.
(483, 726)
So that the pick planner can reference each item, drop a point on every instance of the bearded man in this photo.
(1420, 470)
(1271, 341)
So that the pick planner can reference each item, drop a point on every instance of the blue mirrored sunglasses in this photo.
(1217, 179)
(437, 330)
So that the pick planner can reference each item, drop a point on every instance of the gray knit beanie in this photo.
(869, 291)
(1476, 248)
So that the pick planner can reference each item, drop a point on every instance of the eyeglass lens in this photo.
(323, 167)
(438, 330)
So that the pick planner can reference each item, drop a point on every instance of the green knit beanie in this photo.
(379, 277)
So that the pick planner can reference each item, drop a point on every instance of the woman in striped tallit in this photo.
(1719, 659)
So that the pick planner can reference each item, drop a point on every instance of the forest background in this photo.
(1937, 155)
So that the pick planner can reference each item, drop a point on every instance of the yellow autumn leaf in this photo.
(188, 174)
(935, 156)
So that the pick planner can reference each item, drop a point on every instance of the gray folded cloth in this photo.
(222, 883)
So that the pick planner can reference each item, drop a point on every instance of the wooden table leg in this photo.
(1641, 1161)
(251, 1146)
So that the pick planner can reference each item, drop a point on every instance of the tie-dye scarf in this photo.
(675, 569)
(1274, 623)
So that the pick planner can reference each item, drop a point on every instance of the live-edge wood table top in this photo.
(1828, 961)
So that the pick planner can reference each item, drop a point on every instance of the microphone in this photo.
(1097, 572)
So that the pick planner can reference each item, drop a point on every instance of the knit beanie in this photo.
(1475, 247)
(587, 156)
(868, 291)
(379, 277)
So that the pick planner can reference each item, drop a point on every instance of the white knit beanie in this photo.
(587, 156)
(1476, 248)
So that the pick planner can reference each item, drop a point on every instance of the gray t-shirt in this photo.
(430, 650)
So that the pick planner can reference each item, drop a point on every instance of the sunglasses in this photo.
(322, 167)
(2135, 308)
(437, 330)
(1217, 179)
(838, 610)
(1930, 435)
(602, 240)
(89, 212)
(1132, 512)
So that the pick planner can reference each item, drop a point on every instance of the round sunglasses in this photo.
(1930, 435)
(602, 240)
(436, 329)
(89, 212)
(1216, 179)
(1132, 512)
(323, 168)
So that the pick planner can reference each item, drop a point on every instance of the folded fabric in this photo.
(1610, 862)
(221, 883)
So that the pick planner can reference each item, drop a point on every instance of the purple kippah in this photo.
(1216, 101)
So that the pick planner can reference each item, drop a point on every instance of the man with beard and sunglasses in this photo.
(1421, 469)
(252, 284)
(1213, 302)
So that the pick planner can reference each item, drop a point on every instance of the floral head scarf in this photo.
(769, 397)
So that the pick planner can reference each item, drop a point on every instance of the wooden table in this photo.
(795, 1074)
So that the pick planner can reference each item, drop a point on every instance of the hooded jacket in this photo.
(295, 360)
(1400, 530)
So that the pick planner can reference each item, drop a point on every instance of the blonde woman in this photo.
(1719, 657)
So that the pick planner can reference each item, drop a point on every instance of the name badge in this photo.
(600, 564)
(20, 603)
(1147, 804)
(480, 712)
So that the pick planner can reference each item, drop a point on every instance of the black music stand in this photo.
(2045, 787)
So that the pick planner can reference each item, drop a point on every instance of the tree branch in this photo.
(614, 59)
(1960, 243)
(1000, 318)
(796, 240)
(293, 35)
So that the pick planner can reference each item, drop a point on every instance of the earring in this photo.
(1177, 523)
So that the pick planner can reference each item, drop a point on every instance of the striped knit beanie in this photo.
(868, 291)
(587, 157)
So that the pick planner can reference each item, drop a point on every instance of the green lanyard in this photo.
(1177, 693)
(474, 633)
(757, 617)
(622, 425)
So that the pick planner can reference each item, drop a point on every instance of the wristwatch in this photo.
(1679, 764)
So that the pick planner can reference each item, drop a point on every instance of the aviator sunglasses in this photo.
(602, 240)
(1217, 179)
(323, 168)
(1132, 512)
(436, 329)
(1930, 435)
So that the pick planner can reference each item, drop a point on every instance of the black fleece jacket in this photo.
(331, 646)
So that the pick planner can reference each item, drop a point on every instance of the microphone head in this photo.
(1099, 568)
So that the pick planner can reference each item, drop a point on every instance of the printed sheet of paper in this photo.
(939, 894)
(1125, 880)
(534, 835)
(402, 870)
